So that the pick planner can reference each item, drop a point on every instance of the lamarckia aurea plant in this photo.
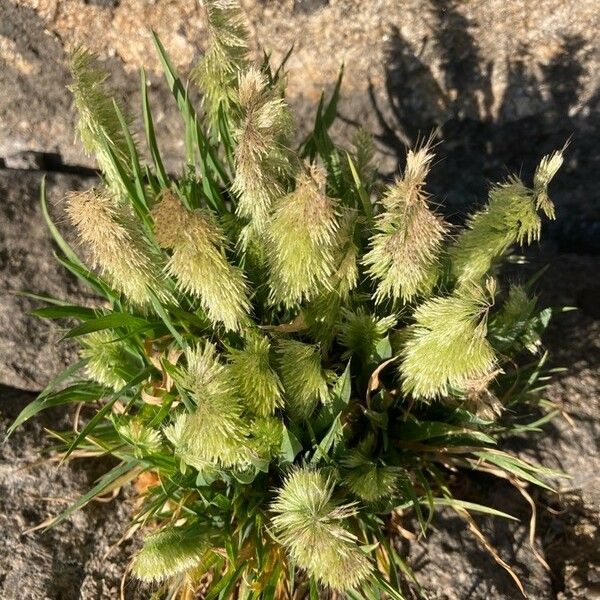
(288, 356)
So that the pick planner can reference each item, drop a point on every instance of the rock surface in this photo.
(75, 560)
(30, 352)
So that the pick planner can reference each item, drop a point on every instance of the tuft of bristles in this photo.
(168, 552)
(267, 435)
(447, 345)
(310, 525)
(545, 172)
(361, 332)
(118, 246)
(216, 74)
(323, 313)
(98, 125)
(303, 377)
(198, 262)
(144, 439)
(108, 362)
(510, 217)
(256, 381)
(215, 432)
(302, 241)
(262, 163)
(404, 253)
(367, 479)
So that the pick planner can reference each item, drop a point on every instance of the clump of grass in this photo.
(289, 357)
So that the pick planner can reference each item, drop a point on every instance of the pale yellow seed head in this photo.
(198, 261)
(117, 245)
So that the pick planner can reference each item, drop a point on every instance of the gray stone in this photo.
(30, 352)
(308, 7)
(77, 560)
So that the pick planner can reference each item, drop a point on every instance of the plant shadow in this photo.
(481, 135)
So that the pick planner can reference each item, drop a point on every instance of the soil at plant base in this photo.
(81, 558)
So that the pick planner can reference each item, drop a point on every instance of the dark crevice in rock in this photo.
(103, 3)
(307, 7)
(49, 162)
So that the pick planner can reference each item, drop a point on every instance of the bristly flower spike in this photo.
(108, 361)
(510, 217)
(302, 241)
(198, 263)
(447, 346)
(254, 377)
(304, 380)
(262, 163)
(118, 246)
(545, 172)
(404, 253)
(310, 525)
(98, 125)
(168, 552)
(214, 433)
(360, 332)
(217, 73)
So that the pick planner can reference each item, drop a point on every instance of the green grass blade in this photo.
(184, 105)
(67, 311)
(109, 321)
(139, 201)
(164, 315)
(58, 238)
(151, 136)
(91, 424)
(85, 275)
(360, 189)
(120, 475)
(39, 403)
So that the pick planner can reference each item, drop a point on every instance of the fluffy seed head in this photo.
(447, 346)
(168, 552)
(510, 217)
(303, 378)
(216, 74)
(545, 172)
(98, 124)
(262, 164)
(404, 253)
(367, 479)
(107, 359)
(143, 438)
(214, 433)
(267, 435)
(360, 332)
(255, 380)
(118, 246)
(310, 525)
(198, 262)
(322, 314)
(303, 242)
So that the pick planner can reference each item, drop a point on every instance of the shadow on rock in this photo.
(482, 135)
